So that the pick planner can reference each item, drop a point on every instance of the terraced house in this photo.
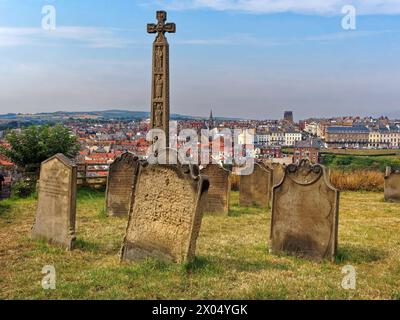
(291, 137)
(385, 137)
(347, 137)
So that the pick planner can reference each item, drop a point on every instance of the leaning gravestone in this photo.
(56, 211)
(165, 215)
(305, 209)
(119, 184)
(218, 196)
(255, 188)
(392, 185)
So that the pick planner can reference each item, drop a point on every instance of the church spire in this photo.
(211, 120)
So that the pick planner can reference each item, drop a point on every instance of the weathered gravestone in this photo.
(305, 209)
(392, 185)
(119, 184)
(218, 195)
(165, 216)
(270, 169)
(279, 172)
(255, 189)
(56, 211)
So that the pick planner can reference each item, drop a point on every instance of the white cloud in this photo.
(249, 40)
(88, 36)
(320, 7)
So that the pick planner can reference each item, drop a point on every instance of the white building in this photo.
(263, 139)
(388, 137)
(247, 137)
(311, 128)
(292, 137)
(277, 138)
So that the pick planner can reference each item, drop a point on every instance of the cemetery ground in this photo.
(233, 259)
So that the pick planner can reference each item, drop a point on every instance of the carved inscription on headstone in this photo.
(119, 184)
(392, 184)
(255, 189)
(218, 196)
(56, 211)
(165, 216)
(305, 210)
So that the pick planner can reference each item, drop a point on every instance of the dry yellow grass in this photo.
(233, 259)
(358, 180)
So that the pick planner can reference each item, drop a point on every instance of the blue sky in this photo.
(242, 58)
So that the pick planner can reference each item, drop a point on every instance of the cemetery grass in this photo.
(233, 259)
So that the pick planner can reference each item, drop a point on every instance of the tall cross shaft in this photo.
(160, 109)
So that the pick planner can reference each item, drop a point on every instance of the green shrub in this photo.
(23, 188)
(32, 145)
(353, 163)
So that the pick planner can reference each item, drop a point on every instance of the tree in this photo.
(32, 145)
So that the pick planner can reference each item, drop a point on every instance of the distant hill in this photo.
(105, 115)
(393, 115)
(8, 116)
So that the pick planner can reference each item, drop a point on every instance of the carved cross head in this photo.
(161, 27)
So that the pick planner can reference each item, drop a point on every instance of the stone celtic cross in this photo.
(161, 27)
(160, 109)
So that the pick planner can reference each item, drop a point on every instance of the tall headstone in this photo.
(160, 110)
(255, 189)
(56, 210)
(165, 215)
(218, 196)
(305, 210)
(392, 185)
(119, 184)
(279, 172)
(270, 169)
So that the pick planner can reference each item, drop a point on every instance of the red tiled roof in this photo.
(6, 163)
(102, 156)
(100, 161)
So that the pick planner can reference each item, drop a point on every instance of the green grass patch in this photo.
(351, 162)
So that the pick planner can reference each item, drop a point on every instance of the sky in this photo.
(240, 58)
